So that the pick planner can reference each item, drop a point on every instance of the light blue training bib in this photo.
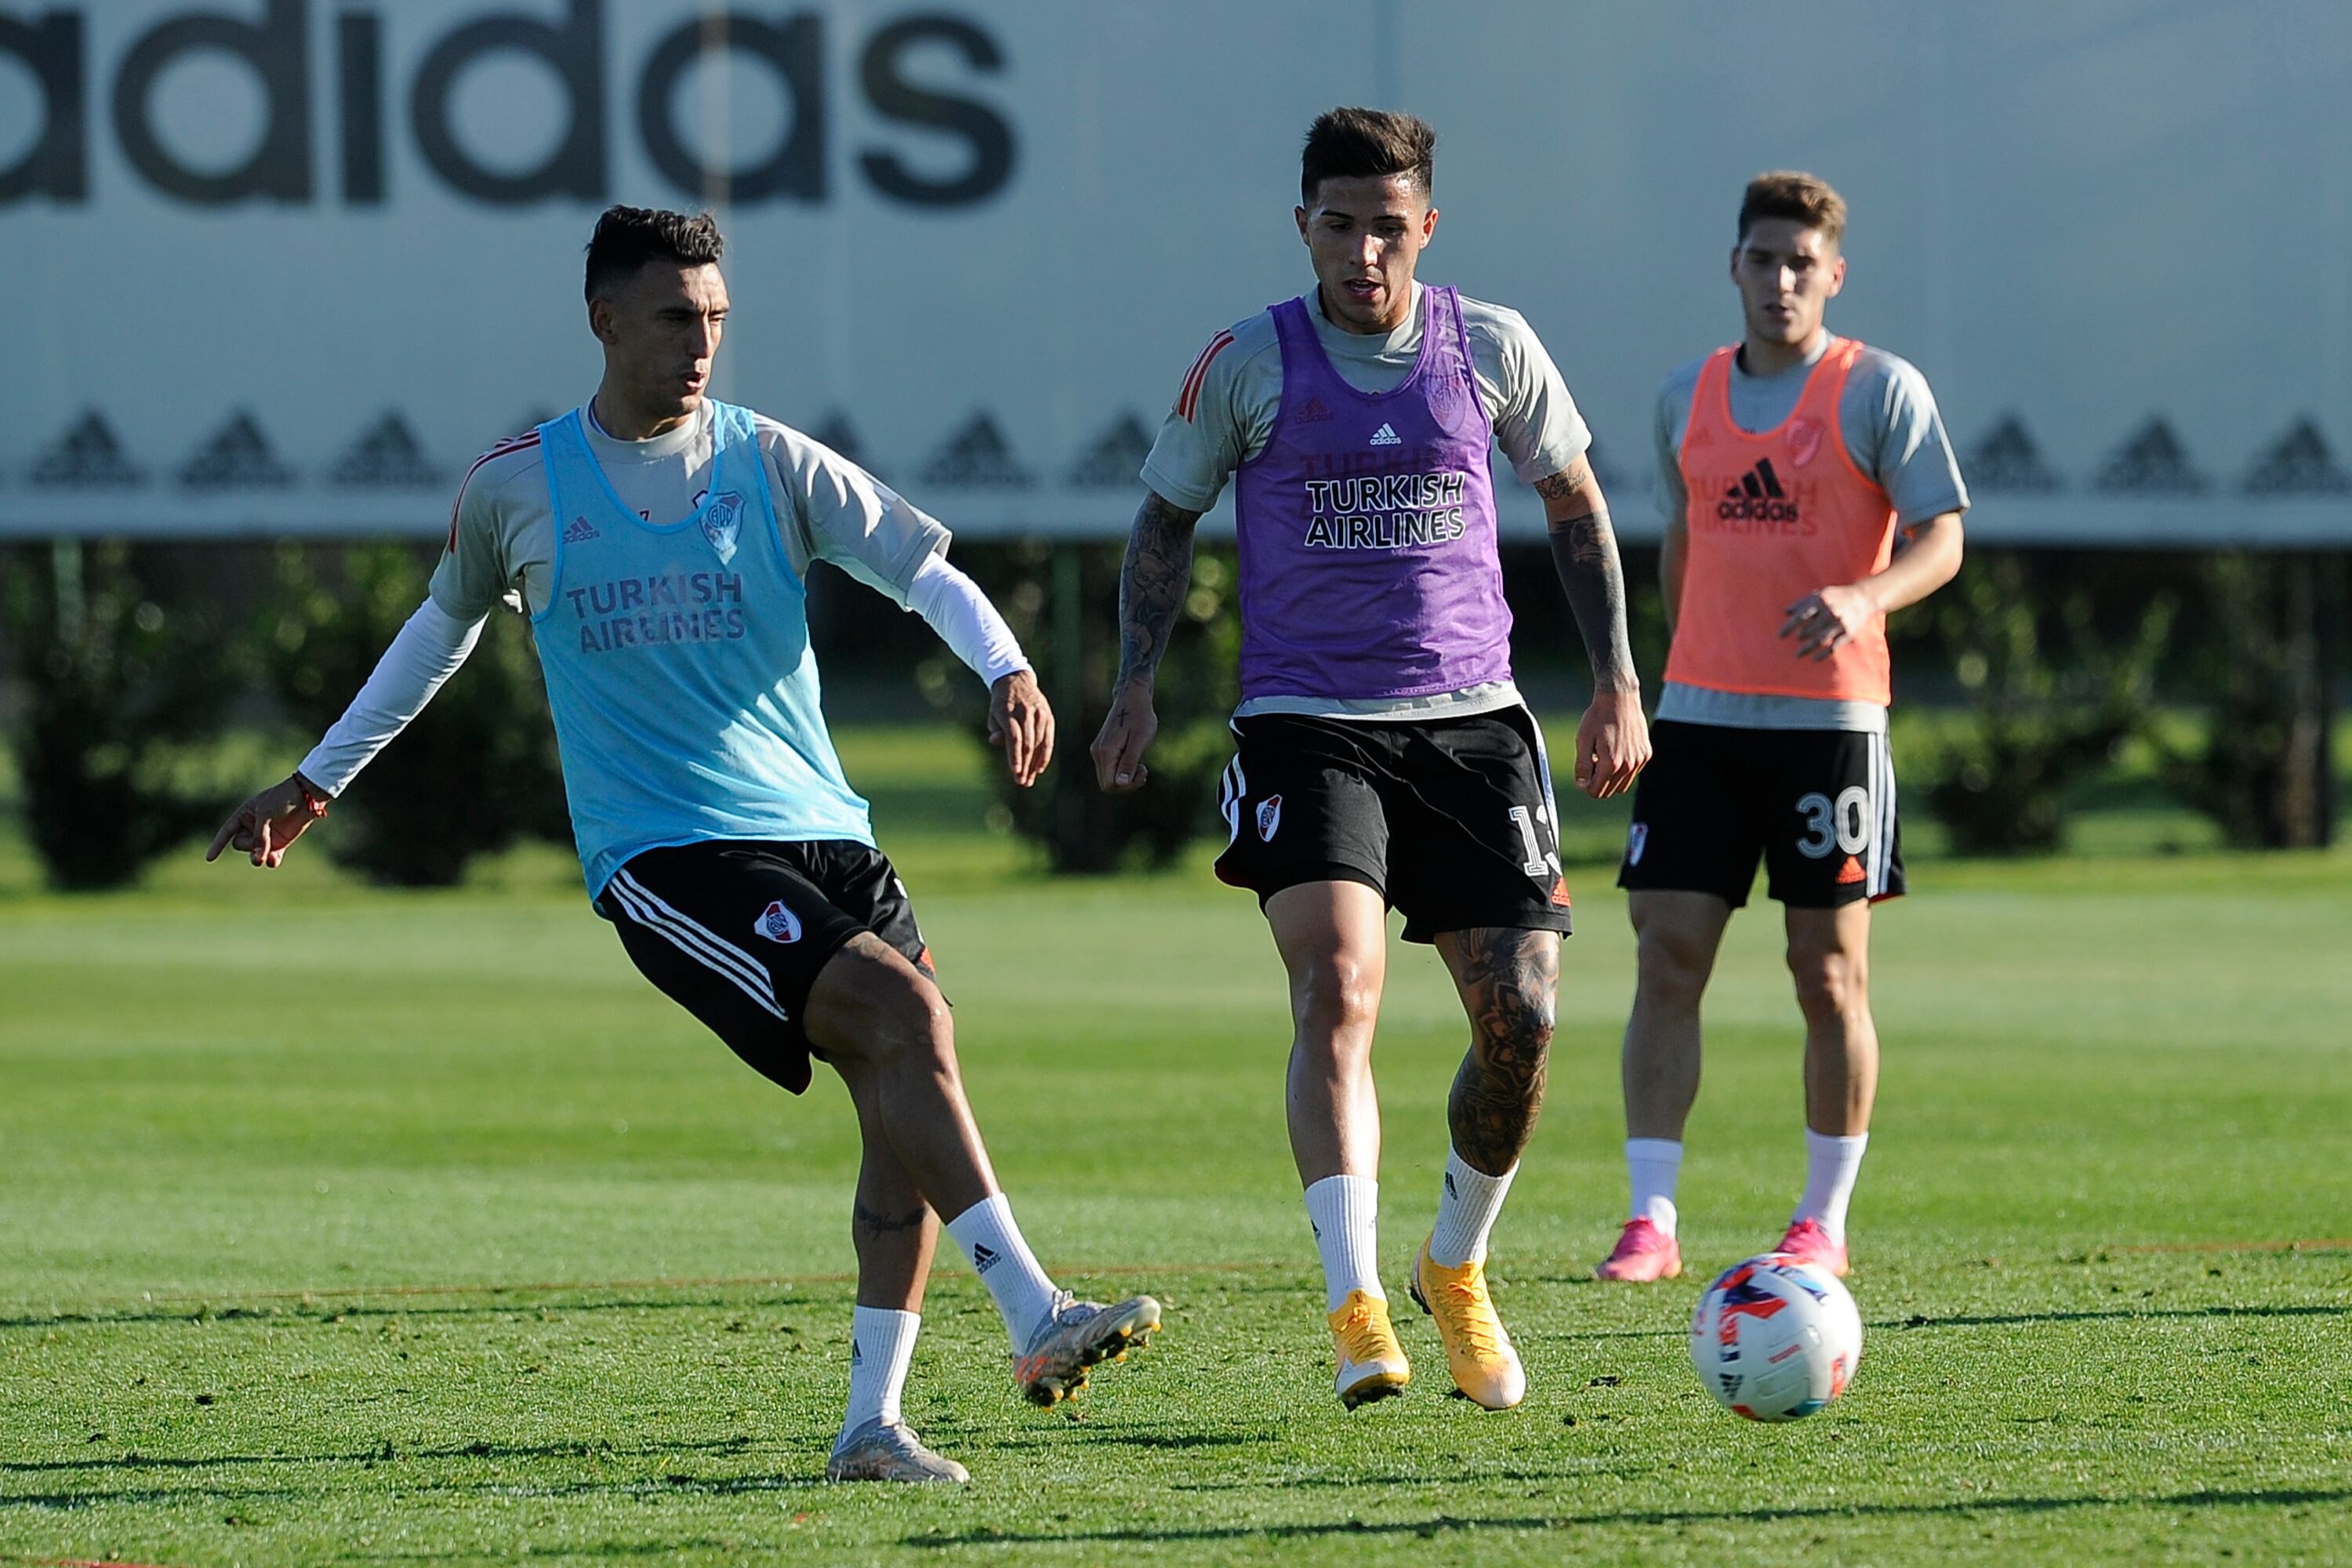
(679, 667)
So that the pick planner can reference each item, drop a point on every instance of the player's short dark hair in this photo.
(627, 238)
(1787, 193)
(1365, 144)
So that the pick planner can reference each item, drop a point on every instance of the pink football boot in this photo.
(1808, 1243)
(1644, 1253)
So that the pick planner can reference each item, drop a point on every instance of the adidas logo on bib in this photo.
(1386, 436)
(1756, 497)
(581, 529)
(777, 924)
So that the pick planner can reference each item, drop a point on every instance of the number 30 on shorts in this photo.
(1843, 824)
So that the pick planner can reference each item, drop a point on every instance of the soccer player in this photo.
(659, 542)
(1383, 756)
(1808, 491)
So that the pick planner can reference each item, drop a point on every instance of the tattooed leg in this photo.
(893, 1228)
(1508, 978)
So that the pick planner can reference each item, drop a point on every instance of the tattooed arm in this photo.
(1612, 743)
(1151, 588)
(1584, 549)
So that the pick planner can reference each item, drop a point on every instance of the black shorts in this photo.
(735, 931)
(1450, 820)
(1817, 805)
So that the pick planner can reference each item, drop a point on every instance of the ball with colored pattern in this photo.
(1775, 1338)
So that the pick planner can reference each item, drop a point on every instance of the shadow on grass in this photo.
(522, 1302)
(1985, 1320)
(579, 1450)
(1176, 1440)
(524, 1312)
(1445, 1523)
(1631, 1469)
(521, 1312)
(614, 1549)
(657, 1486)
(2119, 1314)
(1190, 1437)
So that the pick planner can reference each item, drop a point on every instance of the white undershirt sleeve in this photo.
(965, 620)
(427, 652)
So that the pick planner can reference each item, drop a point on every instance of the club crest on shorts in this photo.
(722, 520)
(1804, 440)
(1269, 817)
(777, 924)
(1637, 838)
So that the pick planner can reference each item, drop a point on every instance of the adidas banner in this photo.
(284, 267)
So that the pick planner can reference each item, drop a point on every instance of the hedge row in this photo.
(125, 662)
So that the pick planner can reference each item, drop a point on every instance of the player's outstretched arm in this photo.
(1151, 589)
(428, 651)
(1613, 742)
(1926, 557)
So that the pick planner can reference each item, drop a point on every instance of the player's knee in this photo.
(1336, 996)
(1831, 981)
(1673, 964)
(1517, 1026)
(910, 1026)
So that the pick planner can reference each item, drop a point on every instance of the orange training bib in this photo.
(1772, 518)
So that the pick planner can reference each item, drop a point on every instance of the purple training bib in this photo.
(1367, 527)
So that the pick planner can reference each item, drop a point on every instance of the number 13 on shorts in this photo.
(1542, 864)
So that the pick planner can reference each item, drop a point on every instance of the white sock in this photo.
(881, 1347)
(1831, 1166)
(1345, 1213)
(992, 1243)
(1653, 1163)
(1466, 1208)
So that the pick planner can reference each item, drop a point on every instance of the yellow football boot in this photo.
(1371, 1364)
(1477, 1348)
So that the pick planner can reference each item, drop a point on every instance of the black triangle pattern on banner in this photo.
(237, 456)
(2153, 462)
(2298, 464)
(1112, 459)
(979, 456)
(839, 434)
(2007, 461)
(388, 456)
(87, 456)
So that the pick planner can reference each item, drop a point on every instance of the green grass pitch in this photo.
(345, 1228)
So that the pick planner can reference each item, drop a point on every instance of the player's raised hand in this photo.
(1612, 743)
(1126, 731)
(266, 825)
(1021, 721)
(1820, 622)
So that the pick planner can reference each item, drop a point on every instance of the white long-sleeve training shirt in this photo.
(502, 549)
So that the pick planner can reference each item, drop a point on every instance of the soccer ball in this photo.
(1775, 1339)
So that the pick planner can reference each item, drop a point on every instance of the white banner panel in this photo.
(283, 267)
